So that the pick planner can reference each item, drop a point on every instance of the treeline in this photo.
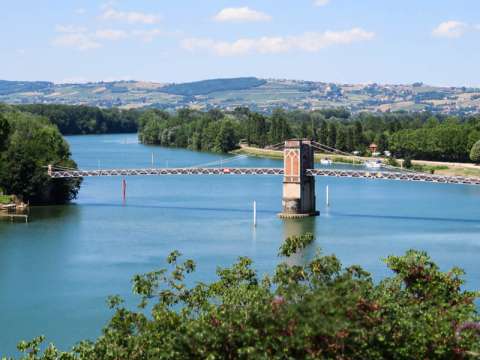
(206, 131)
(28, 143)
(80, 120)
(420, 136)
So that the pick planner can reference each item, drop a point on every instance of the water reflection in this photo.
(298, 227)
(41, 213)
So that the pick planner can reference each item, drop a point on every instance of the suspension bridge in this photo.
(298, 174)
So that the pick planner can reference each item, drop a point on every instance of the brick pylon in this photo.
(298, 188)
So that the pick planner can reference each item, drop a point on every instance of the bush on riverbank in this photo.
(317, 310)
(29, 143)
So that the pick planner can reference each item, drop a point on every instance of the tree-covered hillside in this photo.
(12, 87)
(421, 136)
(209, 86)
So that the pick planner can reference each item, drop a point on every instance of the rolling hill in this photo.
(259, 94)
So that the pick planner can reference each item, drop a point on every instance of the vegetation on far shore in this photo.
(82, 120)
(419, 136)
(317, 310)
(28, 143)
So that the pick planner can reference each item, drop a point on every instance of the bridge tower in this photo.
(298, 189)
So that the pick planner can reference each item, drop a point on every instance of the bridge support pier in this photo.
(298, 189)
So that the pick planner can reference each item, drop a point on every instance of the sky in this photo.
(345, 41)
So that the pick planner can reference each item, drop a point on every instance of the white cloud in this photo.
(79, 41)
(70, 29)
(241, 14)
(75, 37)
(80, 38)
(309, 42)
(147, 35)
(450, 29)
(130, 17)
(80, 11)
(73, 80)
(321, 2)
(477, 27)
(111, 34)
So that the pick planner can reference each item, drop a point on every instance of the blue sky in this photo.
(348, 41)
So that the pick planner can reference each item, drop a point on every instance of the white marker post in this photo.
(152, 159)
(255, 214)
(327, 196)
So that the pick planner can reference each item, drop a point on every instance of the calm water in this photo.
(56, 271)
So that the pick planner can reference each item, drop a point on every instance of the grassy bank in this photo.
(450, 169)
(278, 155)
(6, 199)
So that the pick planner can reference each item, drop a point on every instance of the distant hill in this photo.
(261, 95)
(11, 87)
(209, 86)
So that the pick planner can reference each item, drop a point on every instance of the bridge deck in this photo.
(374, 175)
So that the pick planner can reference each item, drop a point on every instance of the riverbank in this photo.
(12, 209)
(440, 168)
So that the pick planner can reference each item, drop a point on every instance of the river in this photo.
(57, 271)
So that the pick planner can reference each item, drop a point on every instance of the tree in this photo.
(4, 131)
(358, 137)
(279, 128)
(475, 152)
(350, 140)
(33, 144)
(342, 135)
(407, 162)
(323, 136)
(332, 134)
(226, 140)
(317, 310)
(382, 142)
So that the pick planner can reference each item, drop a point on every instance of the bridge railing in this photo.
(363, 174)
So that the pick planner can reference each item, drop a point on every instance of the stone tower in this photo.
(298, 188)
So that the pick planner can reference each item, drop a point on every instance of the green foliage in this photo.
(420, 136)
(210, 131)
(294, 244)
(475, 152)
(393, 162)
(6, 199)
(72, 120)
(407, 162)
(314, 311)
(209, 86)
(33, 143)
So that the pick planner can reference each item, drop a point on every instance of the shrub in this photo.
(475, 153)
(314, 311)
(407, 162)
